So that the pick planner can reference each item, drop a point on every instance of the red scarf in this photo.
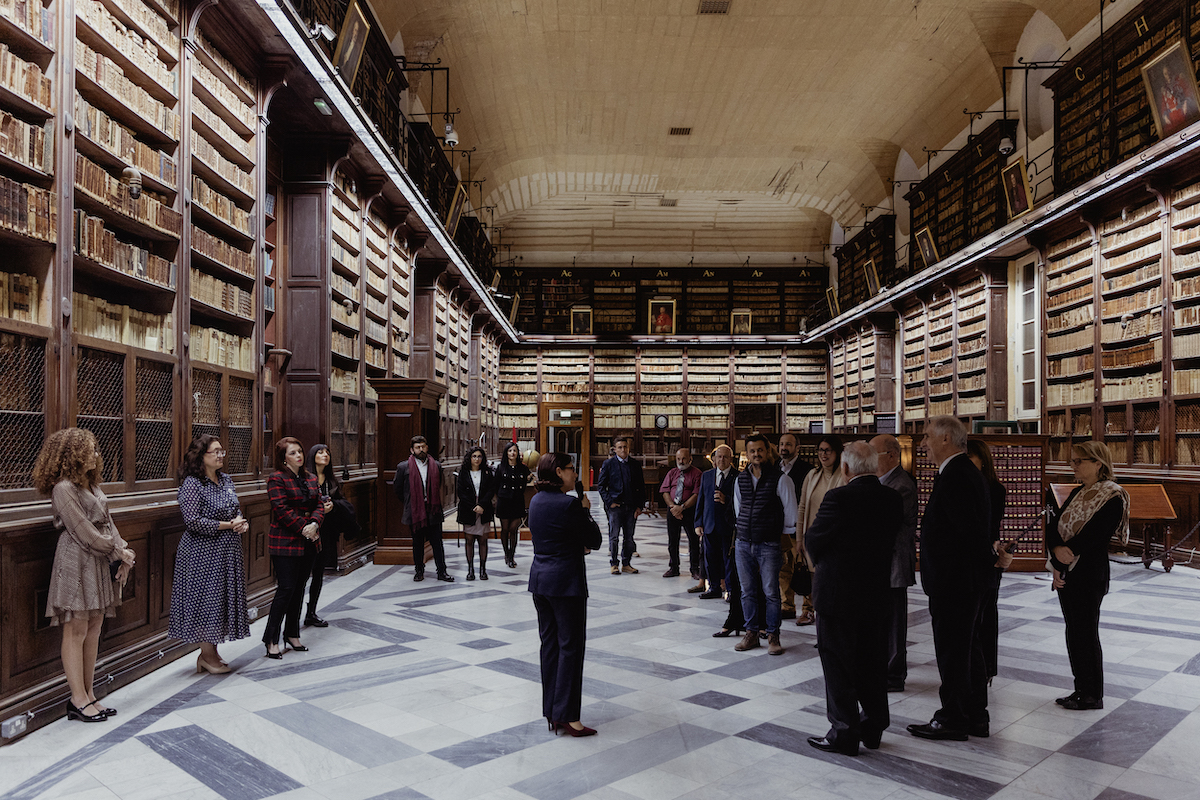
(424, 506)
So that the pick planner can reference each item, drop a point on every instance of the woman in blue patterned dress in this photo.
(208, 596)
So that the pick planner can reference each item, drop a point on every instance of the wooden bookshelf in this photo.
(874, 244)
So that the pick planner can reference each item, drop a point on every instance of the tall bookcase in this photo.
(875, 245)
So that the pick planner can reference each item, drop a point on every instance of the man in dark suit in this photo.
(423, 508)
(623, 490)
(904, 557)
(956, 564)
(715, 520)
(850, 542)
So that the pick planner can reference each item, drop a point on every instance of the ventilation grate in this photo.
(665, 203)
(714, 7)
(680, 132)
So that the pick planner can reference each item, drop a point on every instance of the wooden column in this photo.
(407, 407)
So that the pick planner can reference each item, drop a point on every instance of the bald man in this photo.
(904, 557)
(715, 520)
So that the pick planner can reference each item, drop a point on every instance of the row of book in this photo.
(221, 294)
(27, 143)
(30, 15)
(232, 103)
(28, 210)
(114, 322)
(243, 147)
(151, 209)
(131, 44)
(224, 349)
(343, 381)
(151, 22)
(1133, 388)
(219, 205)
(220, 251)
(226, 66)
(212, 157)
(26, 79)
(19, 297)
(119, 140)
(109, 76)
(344, 345)
(96, 242)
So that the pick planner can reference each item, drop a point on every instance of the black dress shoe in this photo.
(821, 743)
(420, 576)
(314, 621)
(871, 740)
(980, 730)
(673, 572)
(711, 594)
(937, 731)
(895, 687)
(445, 576)
(1062, 701)
(470, 575)
(1082, 703)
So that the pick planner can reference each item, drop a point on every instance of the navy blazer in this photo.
(712, 516)
(851, 541)
(561, 528)
(612, 486)
(956, 532)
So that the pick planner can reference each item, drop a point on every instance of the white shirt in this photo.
(423, 469)
(476, 478)
(942, 466)
(786, 467)
(785, 491)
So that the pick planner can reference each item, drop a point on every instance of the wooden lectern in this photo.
(407, 407)
(1148, 505)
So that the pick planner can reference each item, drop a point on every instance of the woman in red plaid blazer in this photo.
(295, 539)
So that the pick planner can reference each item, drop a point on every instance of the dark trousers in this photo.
(291, 573)
(758, 570)
(621, 521)
(326, 558)
(854, 659)
(736, 620)
(562, 627)
(433, 535)
(1081, 612)
(715, 547)
(686, 525)
(989, 621)
(897, 670)
(959, 651)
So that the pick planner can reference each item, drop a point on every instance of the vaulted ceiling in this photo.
(797, 110)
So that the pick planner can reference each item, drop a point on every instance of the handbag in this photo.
(113, 568)
(801, 578)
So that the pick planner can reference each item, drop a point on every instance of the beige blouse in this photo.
(81, 583)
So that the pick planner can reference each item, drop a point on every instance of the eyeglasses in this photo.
(217, 453)
(824, 449)
(1075, 462)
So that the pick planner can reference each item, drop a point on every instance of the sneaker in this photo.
(774, 648)
(748, 642)
(616, 570)
(629, 569)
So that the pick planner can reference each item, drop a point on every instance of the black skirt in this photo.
(511, 507)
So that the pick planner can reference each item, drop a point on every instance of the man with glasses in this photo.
(764, 506)
(956, 561)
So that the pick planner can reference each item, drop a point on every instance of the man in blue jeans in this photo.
(765, 507)
(623, 490)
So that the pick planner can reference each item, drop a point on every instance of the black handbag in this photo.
(801, 578)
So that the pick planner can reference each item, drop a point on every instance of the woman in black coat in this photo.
(512, 476)
(563, 532)
(476, 492)
(339, 519)
(1077, 539)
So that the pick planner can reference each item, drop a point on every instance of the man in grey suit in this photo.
(904, 557)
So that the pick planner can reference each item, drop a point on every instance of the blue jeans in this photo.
(758, 570)
(621, 518)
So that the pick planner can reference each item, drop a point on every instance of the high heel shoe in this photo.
(77, 713)
(299, 648)
(724, 632)
(204, 666)
(276, 656)
(576, 732)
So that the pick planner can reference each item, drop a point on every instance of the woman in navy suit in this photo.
(563, 532)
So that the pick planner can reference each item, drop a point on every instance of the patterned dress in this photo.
(208, 596)
(81, 584)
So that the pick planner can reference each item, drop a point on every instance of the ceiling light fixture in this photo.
(323, 107)
(451, 136)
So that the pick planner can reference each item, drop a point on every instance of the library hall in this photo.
(725, 383)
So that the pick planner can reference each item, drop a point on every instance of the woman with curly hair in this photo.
(476, 492)
(208, 595)
(84, 588)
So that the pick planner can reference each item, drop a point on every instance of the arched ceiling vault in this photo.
(797, 110)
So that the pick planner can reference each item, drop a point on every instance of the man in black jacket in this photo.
(956, 563)
(851, 542)
(904, 558)
(623, 490)
(422, 510)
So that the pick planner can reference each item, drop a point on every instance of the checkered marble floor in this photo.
(431, 690)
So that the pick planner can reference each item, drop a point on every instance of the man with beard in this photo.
(679, 492)
(418, 485)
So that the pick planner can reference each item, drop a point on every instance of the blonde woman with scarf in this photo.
(1077, 539)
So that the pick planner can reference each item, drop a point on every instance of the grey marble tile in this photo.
(619, 587)
(376, 631)
(756, 662)
(220, 766)
(714, 699)
(1190, 667)
(878, 763)
(814, 687)
(520, 627)
(342, 602)
(484, 644)
(1117, 794)
(1125, 734)
(437, 620)
(303, 663)
(404, 793)
(520, 582)
(458, 597)
(639, 665)
(616, 763)
(1146, 629)
(494, 745)
(346, 738)
(624, 626)
(328, 688)
(1159, 618)
(670, 607)
(533, 672)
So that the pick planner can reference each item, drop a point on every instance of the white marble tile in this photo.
(653, 784)
(1174, 755)
(432, 737)
(1159, 787)
(300, 759)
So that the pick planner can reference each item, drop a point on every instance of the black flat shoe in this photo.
(276, 656)
(823, 744)
(726, 632)
(710, 595)
(1062, 701)
(1082, 703)
(447, 577)
(299, 648)
(482, 574)
(77, 713)
(312, 620)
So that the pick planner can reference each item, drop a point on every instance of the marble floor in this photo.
(431, 690)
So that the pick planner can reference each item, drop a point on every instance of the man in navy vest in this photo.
(765, 507)
(623, 490)
(714, 518)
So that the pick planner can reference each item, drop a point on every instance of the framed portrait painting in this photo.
(1171, 86)
(351, 42)
(739, 321)
(872, 278)
(832, 301)
(1017, 192)
(456, 209)
(929, 253)
(512, 313)
(662, 317)
(581, 320)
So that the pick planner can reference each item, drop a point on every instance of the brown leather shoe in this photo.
(748, 642)
(629, 569)
(699, 587)
(805, 619)
(774, 648)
